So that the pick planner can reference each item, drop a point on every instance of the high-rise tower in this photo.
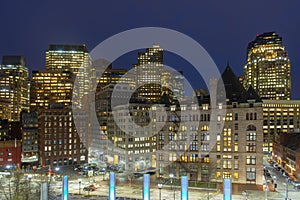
(73, 58)
(268, 67)
(14, 85)
(149, 72)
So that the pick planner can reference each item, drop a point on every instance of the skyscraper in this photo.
(178, 85)
(73, 58)
(14, 85)
(268, 67)
(148, 72)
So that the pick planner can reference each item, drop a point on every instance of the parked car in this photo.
(89, 188)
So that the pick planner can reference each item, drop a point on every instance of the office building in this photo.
(30, 138)
(280, 117)
(73, 58)
(51, 97)
(5, 110)
(178, 85)
(131, 144)
(149, 73)
(59, 142)
(14, 86)
(187, 146)
(267, 68)
(10, 130)
(50, 87)
(111, 76)
(4, 127)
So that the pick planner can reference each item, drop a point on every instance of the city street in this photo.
(281, 183)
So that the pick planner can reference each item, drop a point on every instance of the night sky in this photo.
(223, 28)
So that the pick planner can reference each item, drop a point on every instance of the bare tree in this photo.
(16, 186)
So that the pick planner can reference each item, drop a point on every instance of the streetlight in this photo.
(171, 177)
(159, 187)
(79, 185)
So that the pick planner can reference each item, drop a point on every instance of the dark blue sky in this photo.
(223, 28)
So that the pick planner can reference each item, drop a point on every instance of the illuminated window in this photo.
(251, 160)
(226, 174)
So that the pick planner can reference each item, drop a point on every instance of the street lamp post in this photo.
(159, 187)
(79, 185)
(172, 188)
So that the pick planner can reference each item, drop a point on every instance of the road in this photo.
(281, 184)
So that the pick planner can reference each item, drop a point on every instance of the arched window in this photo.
(247, 116)
(251, 128)
(255, 116)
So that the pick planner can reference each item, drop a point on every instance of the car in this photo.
(275, 165)
(268, 174)
(89, 188)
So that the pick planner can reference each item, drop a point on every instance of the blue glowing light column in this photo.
(184, 188)
(65, 192)
(227, 189)
(146, 189)
(112, 186)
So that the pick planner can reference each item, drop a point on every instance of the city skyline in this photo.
(217, 27)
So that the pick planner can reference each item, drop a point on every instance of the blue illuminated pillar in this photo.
(227, 189)
(65, 192)
(146, 189)
(184, 188)
(112, 186)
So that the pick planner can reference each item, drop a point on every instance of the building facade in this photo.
(286, 153)
(194, 144)
(187, 147)
(50, 87)
(14, 85)
(30, 138)
(73, 58)
(59, 142)
(149, 73)
(268, 67)
(280, 117)
(10, 154)
(178, 85)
